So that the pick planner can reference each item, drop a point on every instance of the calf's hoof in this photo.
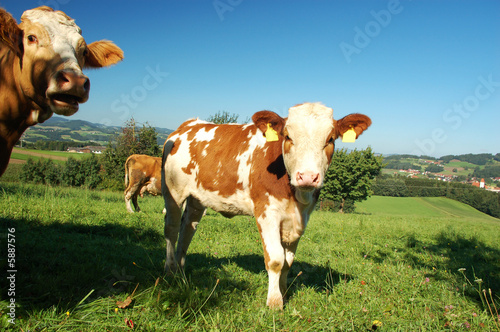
(275, 302)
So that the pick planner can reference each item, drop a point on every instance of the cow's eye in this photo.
(32, 39)
(330, 141)
(85, 52)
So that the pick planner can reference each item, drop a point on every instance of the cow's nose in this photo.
(69, 81)
(308, 179)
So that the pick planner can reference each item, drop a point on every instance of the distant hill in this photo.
(481, 165)
(477, 159)
(63, 129)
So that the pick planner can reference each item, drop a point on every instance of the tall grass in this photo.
(85, 264)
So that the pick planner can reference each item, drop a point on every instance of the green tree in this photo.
(72, 174)
(91, 169)
(43, 171)
(350, 176)
(148, 138)
(52, 173)
(130, 141)
(487, 172)
(433, 168)
(222, 117)
(390, 186)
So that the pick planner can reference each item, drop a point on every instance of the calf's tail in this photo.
(130, 160)
(167, 147)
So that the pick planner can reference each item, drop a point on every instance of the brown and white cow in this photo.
(272, 174)
(142, 173)
(41, 63)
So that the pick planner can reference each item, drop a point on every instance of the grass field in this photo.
(461, 164)
(25, 154)
(434, 207)
(79, 257)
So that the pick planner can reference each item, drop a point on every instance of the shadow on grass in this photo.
(301, 273)
(453, 251)
(60, 263)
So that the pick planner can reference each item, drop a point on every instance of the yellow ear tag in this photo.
(271, 134)
(349, 136)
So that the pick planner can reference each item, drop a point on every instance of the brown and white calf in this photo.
(142, 173)
(41, 63)
(272, 174)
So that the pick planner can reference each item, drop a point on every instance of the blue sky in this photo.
(426, 72)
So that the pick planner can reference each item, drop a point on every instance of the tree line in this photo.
(487, 172)
(397, 164)
(106, 171)
(96, 172)
(477, 159)
(74, 173)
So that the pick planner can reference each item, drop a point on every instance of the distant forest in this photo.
(477, 159)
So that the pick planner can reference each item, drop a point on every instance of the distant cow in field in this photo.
(142, 173)
(41, 63)
(272, 169)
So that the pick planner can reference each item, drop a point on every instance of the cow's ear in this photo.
(357, 122)
(263, 118)
(102, 53)
(10, 33)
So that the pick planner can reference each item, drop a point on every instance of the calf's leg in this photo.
(289, 257)
(171, 231)
(274, 257)
(127, 202)
(134, 201)
(192, 215)
(131, 194)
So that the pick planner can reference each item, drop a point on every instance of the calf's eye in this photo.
(330, 141)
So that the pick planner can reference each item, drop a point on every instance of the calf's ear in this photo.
(102, 53)
(10, 33)
(357, 122)
(263, 118)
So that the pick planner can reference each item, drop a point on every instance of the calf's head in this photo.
(308, 139)
(52, 53)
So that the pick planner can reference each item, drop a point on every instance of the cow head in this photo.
(308, 136)
(52, 53)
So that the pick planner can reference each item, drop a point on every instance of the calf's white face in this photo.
(308, 145)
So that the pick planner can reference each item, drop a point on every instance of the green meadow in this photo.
(398, 264)
(58, 157)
